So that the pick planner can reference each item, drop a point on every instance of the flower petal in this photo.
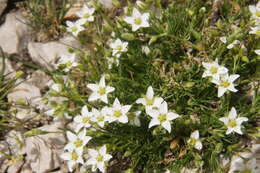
(154, 122)
(167, 126)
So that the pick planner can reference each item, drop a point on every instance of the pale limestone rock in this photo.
(46, 54)
(42, 152)
(9, 70)
(39, 79)
(22, 113)
(12, 32)
(24, 92)
(15, 167)
(15, 142)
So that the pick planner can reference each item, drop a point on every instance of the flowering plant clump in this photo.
(159, 87)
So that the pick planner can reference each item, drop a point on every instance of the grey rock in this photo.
(42, 152)
(12, 32)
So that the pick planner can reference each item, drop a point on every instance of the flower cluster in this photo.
(219, 76)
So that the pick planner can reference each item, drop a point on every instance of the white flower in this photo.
(231, 45)
(118, 47)
(73, 157)
(213, 69)
(56, 87)
(68, 60)
(255, 30)
(133, 118)
(100, 91)
(137, 20)
(83, 120)
(118, 112)
(162, 117)
(111, 61)
(149, 101)
(100, 116)
(76, 141)
(223, 39)
(255, 11)
(195, 140)
(98, 158)
(225, 83)
(232, 122)
(86, 14)
(257, 51)
(75, 27)
(146, 50)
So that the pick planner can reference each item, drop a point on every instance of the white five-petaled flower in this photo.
(100, 91)
(76, 141)
(137, 20)
(257, 51)
(98, 158)
(223, 39)
(100, 116)
(56, 87)
(255, 11)
(195, 140)
(83, 120)
(255, 30)
(118, 47)
(231, 45)
(75, 27)
(232, 122)
(118, 112)
(162, 117)
(150, 101)
(133, 118)
(73, 157)
(86, 14)
(225, 83)
(68, 60)
(213, 69)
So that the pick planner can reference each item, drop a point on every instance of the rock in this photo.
(22, 113)
(3, 4)
(42, 152)
(15, 166)
(12, 32)
(46, 54)
(4, 150)
(39, 79)
(15, 142)
(9, 70)
(24, 92)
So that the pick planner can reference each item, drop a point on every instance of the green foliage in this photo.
(180, 40)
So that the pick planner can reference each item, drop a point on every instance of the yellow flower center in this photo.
(85, 120)
(213, 70)
(162, 118)
(74, 156)
(149, 102)
(225, 84)
(102, 91)
(74, 29)
(257, 13)
(138, 21)
(119, 48)
(193, 141)
(131, 116)
(232, 123)
(100, 118)
(78, 143)
(117, 113)
(86, 16)
(100, 158)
